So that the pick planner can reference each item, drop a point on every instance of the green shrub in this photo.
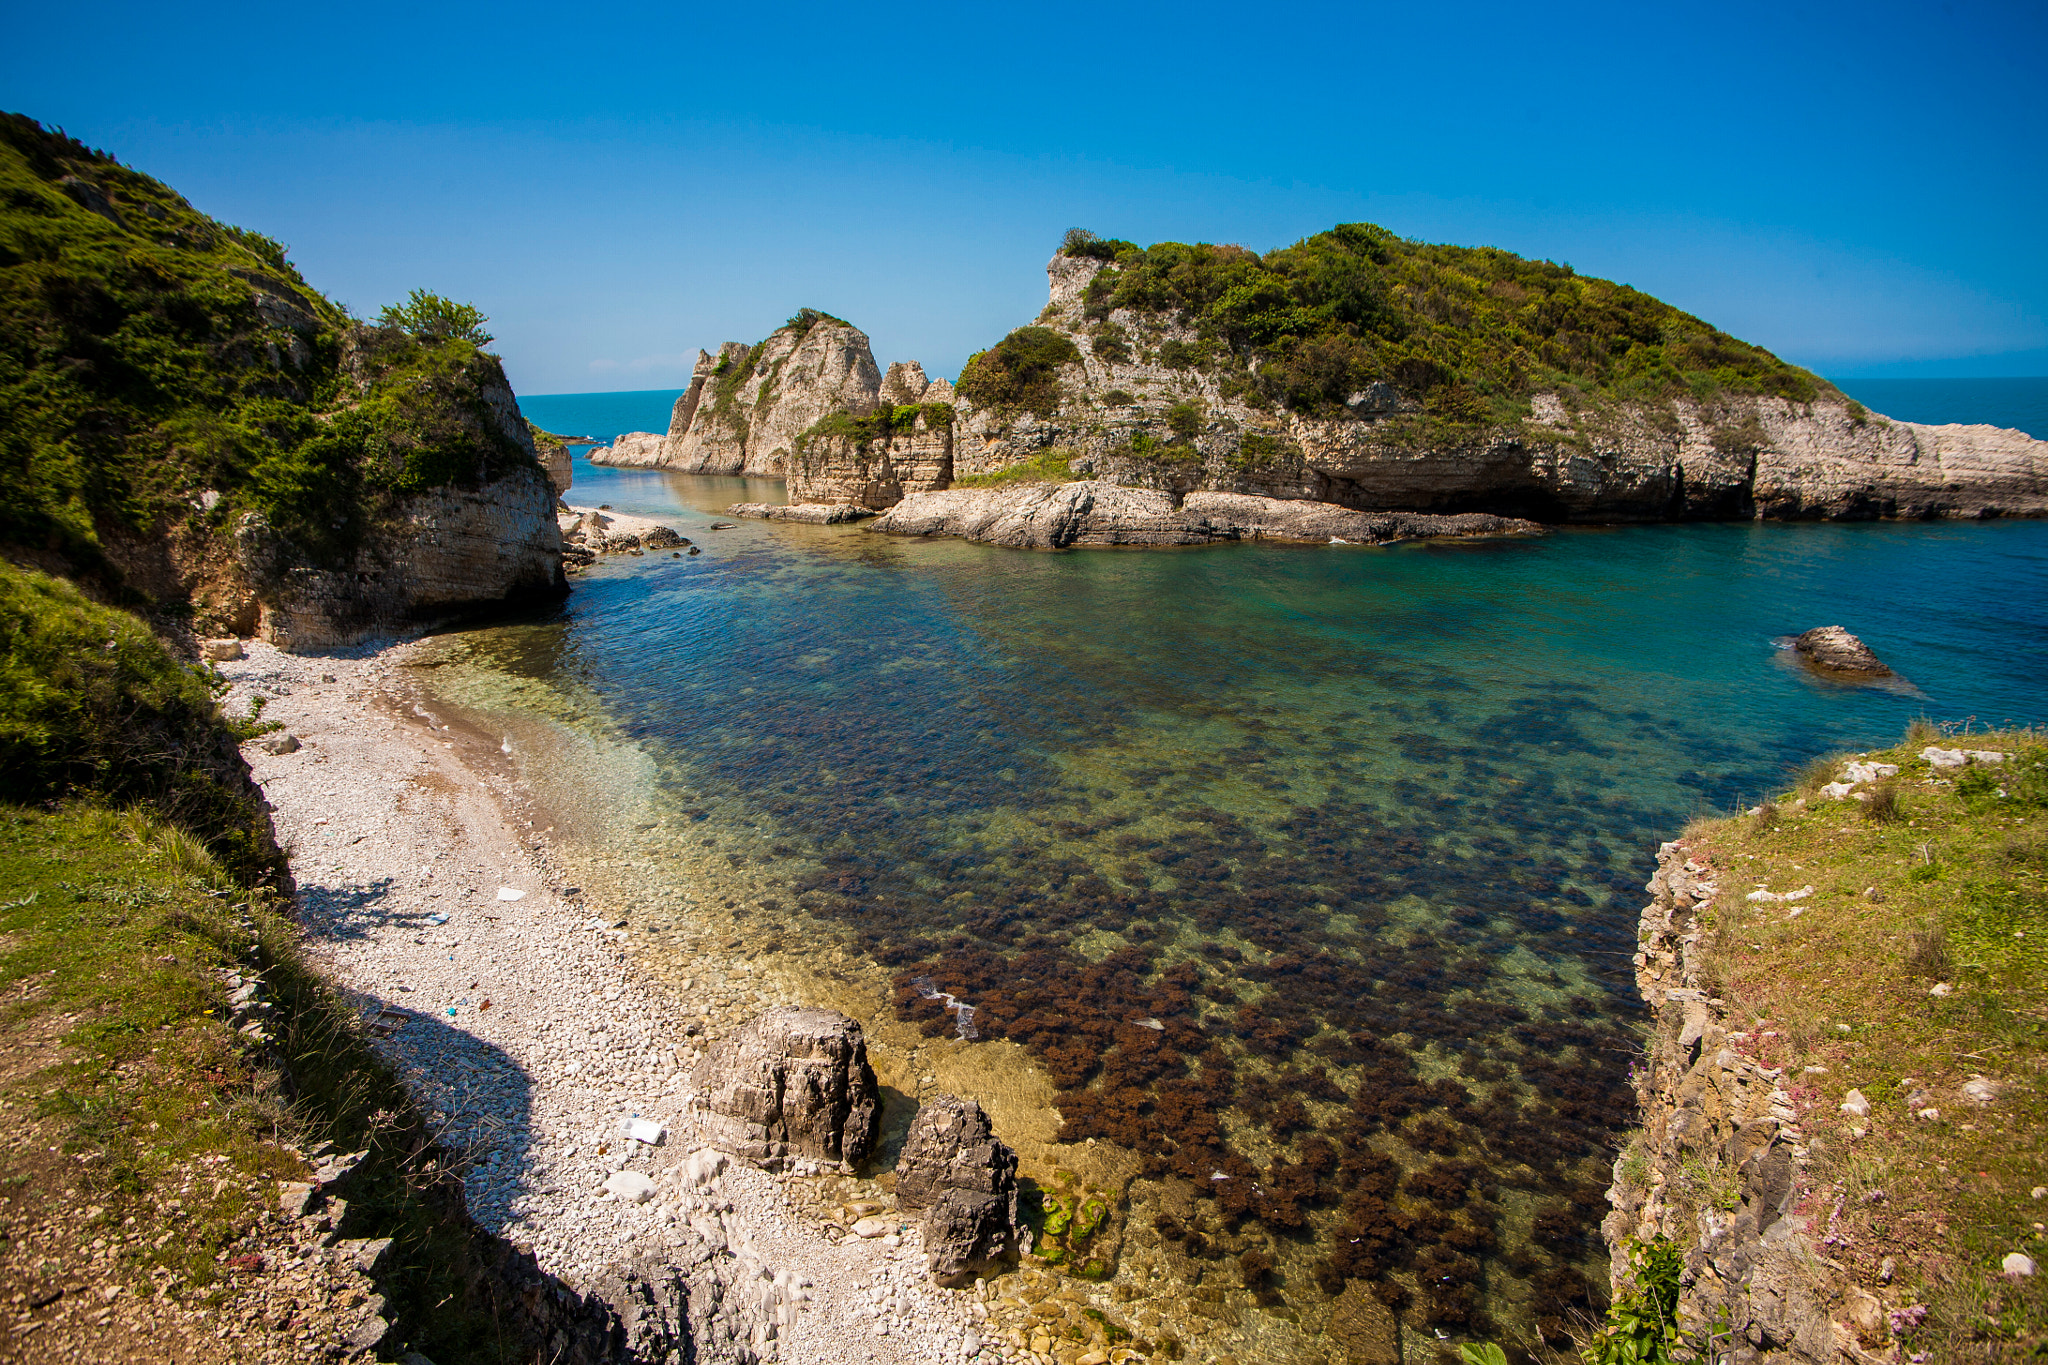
(1111, 344)
(1118, 398)
(1048, 466)
(429, 317)
(1021, 372)
(1080, 242)
(92, 704)
(1180, 355)
(1257, 449)
(1185, 420)
(863, 429)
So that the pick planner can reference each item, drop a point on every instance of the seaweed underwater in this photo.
(1335, 941)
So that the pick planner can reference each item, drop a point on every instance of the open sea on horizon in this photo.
(1362, 831)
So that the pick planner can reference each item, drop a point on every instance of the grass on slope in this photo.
(115, 935)
(1917, 967)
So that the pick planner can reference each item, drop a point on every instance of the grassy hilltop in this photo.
(1468, 332)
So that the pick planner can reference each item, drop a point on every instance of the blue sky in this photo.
(1860, 188)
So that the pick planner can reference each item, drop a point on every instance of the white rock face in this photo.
(746, 406)
(634, 450)
(632, 1186)
(1738, 457)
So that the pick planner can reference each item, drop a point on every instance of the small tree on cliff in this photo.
(433, 318)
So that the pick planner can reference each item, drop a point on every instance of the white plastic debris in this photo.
(511, 893)
(645, 1130)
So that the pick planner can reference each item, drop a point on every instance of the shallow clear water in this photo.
(1307, 874)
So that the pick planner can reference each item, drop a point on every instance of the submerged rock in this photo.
(964, 1178)
(1831, 649)
(793, 1084)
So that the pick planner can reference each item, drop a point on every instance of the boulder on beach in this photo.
(964, 1178)
(1833, 650)
(793, 1084)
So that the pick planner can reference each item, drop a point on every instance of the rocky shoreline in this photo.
(562, 1072)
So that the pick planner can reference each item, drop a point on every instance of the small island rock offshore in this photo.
(1353, 369)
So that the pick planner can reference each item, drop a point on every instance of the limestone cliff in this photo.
(746, 406)
(1718, 1166)
(874, 460)
(632, 450)
(1149, 397)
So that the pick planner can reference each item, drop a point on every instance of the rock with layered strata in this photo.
(904, 383)
(873, 461)
(1737, 456)
(1050, 516)
(964, 1179)
(794, 1084)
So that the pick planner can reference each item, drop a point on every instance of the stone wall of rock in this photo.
(632, 450)
(1739, 457)
(436, 553)
(794, 1084)
(826, 469)
(1057, 516)
(1718, 1165)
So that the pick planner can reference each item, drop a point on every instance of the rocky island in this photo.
(1353, 371)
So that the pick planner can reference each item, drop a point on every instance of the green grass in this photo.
(1951, 889)
(92, 702)
(1048, 466)
(114, 932)
(1470, 331)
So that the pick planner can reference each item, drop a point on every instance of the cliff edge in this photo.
(1841, 1138)
(200, 434)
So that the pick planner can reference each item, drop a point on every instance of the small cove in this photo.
(1362, 832)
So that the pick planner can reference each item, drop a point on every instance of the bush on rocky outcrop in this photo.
(162, 373)
(1020, 373)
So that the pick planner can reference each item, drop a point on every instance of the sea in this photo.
(1289, 891)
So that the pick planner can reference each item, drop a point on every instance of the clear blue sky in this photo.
(1862, 188)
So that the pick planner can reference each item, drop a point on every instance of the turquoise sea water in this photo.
(1362, 832)
(2021, 404)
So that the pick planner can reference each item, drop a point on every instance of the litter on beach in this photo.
(510, 893)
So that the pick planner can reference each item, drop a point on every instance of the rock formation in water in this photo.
(964, 1179)
(201, 431)
(1056, 516)
(633, 450)
(1131, 374)
(794, 1084)
(1833, 650)
(746, 406)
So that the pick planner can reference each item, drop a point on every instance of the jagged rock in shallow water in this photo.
(815, 513)
(1831, 649)
(794, 1083)
(965, 1179)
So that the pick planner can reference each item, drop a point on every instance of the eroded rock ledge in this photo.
(1058, 516)
(1754, 1274)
